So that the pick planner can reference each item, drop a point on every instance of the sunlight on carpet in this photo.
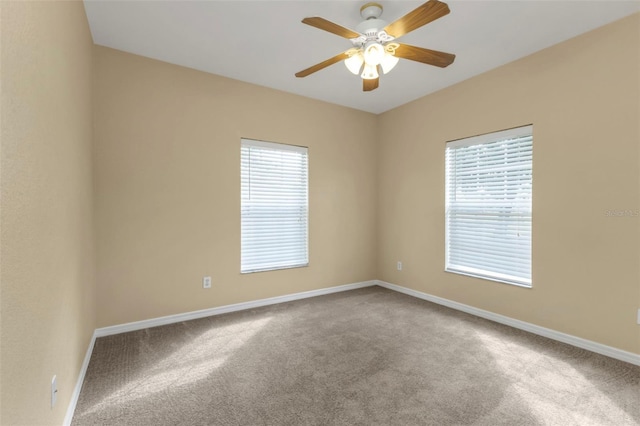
(364, 357)
(551, 388)
(191, 363)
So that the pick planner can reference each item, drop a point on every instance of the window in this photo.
(488, 206)
(274, 206)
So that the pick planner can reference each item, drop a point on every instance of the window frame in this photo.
(246, 268)
(485, 139)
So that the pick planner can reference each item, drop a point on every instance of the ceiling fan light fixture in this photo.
(354, 63)
(388, 62)
(370, 72)
(373, 44)
(373, 53)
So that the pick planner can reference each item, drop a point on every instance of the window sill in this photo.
(280, 268)
(484, 277)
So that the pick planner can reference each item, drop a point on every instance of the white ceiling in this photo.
(264, 42)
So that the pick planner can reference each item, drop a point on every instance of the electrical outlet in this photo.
(399, 266)
(638, 316)
(206, 282)
(54, 391)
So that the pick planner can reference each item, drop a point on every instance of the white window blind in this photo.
(488, 206)
(274, 206)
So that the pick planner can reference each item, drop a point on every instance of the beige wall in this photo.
(167, 173)
(165, 191)
(583, 98)
(47, 271)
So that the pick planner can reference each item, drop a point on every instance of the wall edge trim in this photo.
(569, 339)
(171, 319)
(579, 342)
(71, 408)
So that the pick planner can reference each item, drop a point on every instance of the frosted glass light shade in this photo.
(373, 54)
(388, 62)
(370, 72)
(354, 63)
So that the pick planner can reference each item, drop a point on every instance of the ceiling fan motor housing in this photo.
(372, 26)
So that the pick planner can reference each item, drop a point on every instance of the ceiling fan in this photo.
(374, 49)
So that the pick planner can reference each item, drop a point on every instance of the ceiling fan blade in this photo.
(317, 67)
(426, 56)
(370, 84)
(329, 26)
(422, 15)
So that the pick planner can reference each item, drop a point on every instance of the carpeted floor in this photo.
(364, 357)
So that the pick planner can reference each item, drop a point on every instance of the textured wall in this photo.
(47, 267)
(167, 173)
(583, 98)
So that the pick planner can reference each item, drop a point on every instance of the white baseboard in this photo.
(171, 319)
(76, 390)
(579, 342)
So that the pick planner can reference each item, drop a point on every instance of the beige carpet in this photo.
(363, 357)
